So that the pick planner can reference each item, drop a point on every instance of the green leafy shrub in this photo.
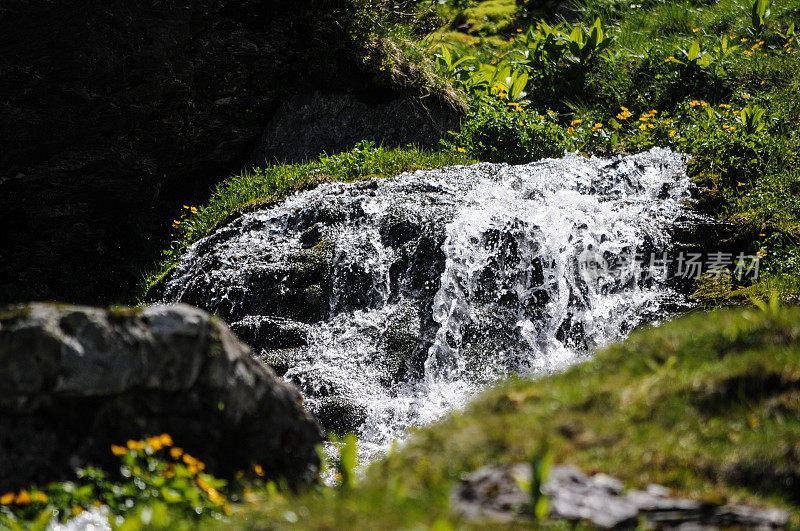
(499, 131)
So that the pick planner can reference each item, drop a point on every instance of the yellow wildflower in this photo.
(166, 440)
(519, 31)
(672, 134)
(76, 510)
(186, 207)
(215, 496)
(40, 497)
(643, 127)
(622, 107)
(118, 450)
(597, 126)
(570, 129)
(135, 445)
(695, 30)
(7, 498)
(194, 210)
(23, 498)
(258, 469)
(740, 183)
(176, 222)
(461, 150)
(575, 122)
(724, 106)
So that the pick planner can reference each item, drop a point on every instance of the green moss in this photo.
(708, 405)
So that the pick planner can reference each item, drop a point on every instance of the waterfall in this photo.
(390, 302)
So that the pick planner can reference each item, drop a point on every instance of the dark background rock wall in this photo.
(114, 113)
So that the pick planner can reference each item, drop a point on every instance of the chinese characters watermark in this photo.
(661, 266)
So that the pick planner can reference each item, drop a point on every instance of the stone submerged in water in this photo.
(495, 494)
(76, 379)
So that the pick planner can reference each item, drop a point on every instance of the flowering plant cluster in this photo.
(153, 473)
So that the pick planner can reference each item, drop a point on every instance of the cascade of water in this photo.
(389, 303)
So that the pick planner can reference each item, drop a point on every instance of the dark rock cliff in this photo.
(113, 114)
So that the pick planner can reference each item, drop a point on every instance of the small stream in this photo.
(391, 302)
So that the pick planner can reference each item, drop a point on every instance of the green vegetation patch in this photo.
(717, 81)
(707, 405)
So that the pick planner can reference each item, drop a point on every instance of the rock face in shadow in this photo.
(113, 114)
(77, 379)
(329, 122)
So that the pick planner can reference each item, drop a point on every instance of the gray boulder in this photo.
(75, 379)
(498, 494)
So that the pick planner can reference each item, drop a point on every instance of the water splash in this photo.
(391, 302)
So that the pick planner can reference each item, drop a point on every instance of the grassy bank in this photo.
(707, 405)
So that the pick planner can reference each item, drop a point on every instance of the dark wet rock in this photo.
(76, 379)
(340, 416)
(113, 114)
(496, 494)
(401, 341)
(322, 121)
(277, 332)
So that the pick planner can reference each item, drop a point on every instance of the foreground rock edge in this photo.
(75, 379)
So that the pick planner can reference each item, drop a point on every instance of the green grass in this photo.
(251, 189)
(707, 405)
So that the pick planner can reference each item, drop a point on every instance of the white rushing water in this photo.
(390, 303)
